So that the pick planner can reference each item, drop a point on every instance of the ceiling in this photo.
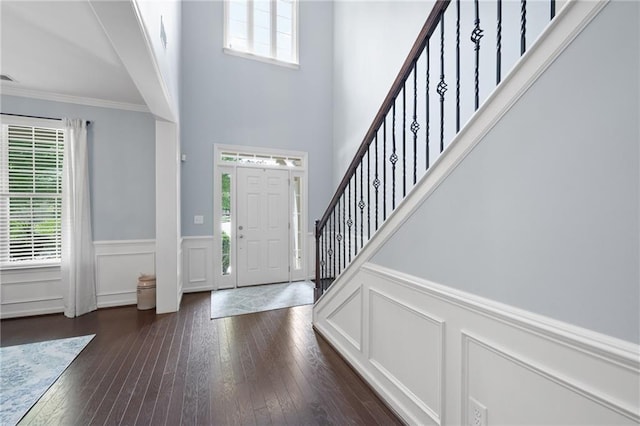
(60, 47)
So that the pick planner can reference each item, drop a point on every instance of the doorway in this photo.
(262, 244)
(260, 207)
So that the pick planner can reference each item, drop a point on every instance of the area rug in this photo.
(245, 300)
(27, 371)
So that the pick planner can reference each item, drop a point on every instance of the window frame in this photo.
(5, 122)
(249, 54)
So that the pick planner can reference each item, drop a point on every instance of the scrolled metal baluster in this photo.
(369, 193)
(476, 36)
(393, 159)
(362, 205)
(442, 86)
(376, 182)
(334, 245)
(415, 126)
(553, 8)
(355, 210)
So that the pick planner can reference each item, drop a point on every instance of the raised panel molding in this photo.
(118, 264)
(415, 341)
(618, 411)
(197, 264)
(349, 311)
(416, 331)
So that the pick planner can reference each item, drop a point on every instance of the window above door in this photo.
(265, 30)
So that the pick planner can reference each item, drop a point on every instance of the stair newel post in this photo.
(317, 292)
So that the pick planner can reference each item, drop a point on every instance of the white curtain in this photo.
(78, 276)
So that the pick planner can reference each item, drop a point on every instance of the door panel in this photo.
(263, 226)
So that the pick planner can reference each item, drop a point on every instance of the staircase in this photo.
(441, 85)
(478, 262)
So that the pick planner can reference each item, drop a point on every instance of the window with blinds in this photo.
(30, 195)
(262, 29)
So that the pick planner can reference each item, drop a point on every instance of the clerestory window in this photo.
(262, 29)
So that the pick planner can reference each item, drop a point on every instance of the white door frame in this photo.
(219, 167)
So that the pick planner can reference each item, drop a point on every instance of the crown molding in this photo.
(57, 97)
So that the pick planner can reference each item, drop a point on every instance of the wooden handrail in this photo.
(419, 45)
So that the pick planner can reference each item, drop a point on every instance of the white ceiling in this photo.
(60, 47)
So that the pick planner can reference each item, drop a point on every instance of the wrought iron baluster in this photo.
(426, 130)
(393, 159)
(369, 193)
(323, 259)
(523, 26)
(457, 66)
(376, 182)
(499, 43)
(414, 125)
(442, 86)
(384, 169)
(333, 244)
(344, 232)
(349, 221)
(362, 205)
(476, 36)
(404, 139)
(553, 8)
(355, 210)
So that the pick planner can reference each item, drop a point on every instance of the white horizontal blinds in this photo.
(262, 27)
(31, 194)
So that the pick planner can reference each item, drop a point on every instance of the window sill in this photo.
(29, 266)
(258, 58)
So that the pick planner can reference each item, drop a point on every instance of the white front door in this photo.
(262, 230)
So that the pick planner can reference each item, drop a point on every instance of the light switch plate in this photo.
(198, 220)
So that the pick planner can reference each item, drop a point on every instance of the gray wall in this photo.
(237, 101)
(544, 213)
(121, 164)
(371, 41)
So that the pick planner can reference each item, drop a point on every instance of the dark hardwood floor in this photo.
(184, 368)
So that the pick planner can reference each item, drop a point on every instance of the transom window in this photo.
(262, 29)
(261, 159)
(30, 194)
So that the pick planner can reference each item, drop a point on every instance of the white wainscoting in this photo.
(118, 265)
(33, 291)
(38, 291)
(428, 350)
(197, 264)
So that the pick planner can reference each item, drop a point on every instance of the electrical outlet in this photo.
(477, 414)
(198, 220)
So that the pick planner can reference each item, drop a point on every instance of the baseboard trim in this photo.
(347, 361)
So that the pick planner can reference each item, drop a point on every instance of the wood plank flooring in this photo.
(141, 368)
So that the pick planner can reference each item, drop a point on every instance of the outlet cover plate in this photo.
(477, 414)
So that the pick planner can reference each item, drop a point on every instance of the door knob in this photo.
(241, 236)
(240, 227)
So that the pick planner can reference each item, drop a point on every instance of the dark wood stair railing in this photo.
(340, 233)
